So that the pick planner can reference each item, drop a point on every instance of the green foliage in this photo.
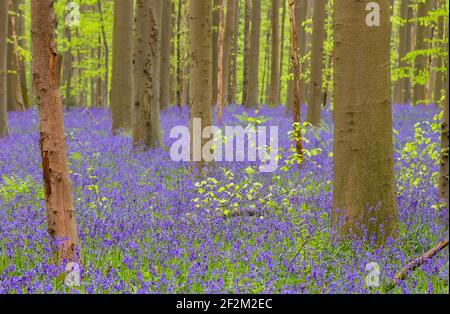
(13, 186)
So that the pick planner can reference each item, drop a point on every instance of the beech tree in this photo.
(363, 187)
(122, 66)
(315, 95)
(166, 25)
(253, 64)
(3, 97)
(200, 72)
(274, 85)
(146, 120)
(57, 190)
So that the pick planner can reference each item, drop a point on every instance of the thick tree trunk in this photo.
(3, 69)
(363, 191)
(122, 67)
(165, 55)
(420, 67)
(274, 85)
(253, 62)
(200, 74)
(146, 121)
(58, 197)
(318, 36)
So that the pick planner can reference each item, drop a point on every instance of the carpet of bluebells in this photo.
(148, 224)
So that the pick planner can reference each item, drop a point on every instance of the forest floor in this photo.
(146, 224)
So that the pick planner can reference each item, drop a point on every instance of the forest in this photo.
(224, 147)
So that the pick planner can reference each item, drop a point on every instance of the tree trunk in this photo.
(19, 41)
(363, 192)
(274, 85)
(282, 41)
(443, 173)
(401, 85)
(165, 55)
(13, 95)
(301, 14)
(122, 67)
(420, 67)
(318, 36)
(215, 51)
(58, 197)
(253, 62)
(439, 75)
(220, 78)
(146, 121)
(173, 44)
(227, 41)
(200, 74)
(246, 51)
(232, 82)
(297, 81)
(3, 68)
(68, 67)
(105, 81)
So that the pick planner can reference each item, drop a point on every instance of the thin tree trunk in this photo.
(3, 68)
(245, 67)
(420, 67)
(232, 84)
(165, 55)
(253, 62)
(301, 14)
(317, 39)
(215, 51)
(58, 197)
(200, 75)
(220, 78)
(400, 85)
(19, 41)
(227, 41)
(274, 85)
(13, 95)
(445, 132)
(283, 22)
(122, 67)
(105, 81)
(297, 81)
(266, 66)
(173, 50)
(363, 187)
(179, 62)
(146, 121)
(439, 75)
(68, 67)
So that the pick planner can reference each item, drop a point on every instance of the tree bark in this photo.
(165, 55)
(146, 120)
(220, 76)
(227, 42)
(318, 36)
(301, 7)
(401, 84)
(18, 29)
(420, 66)
(232, 84)
(13, 84)
(274, 85)
(253, 63)
(245, 69)
(122, 67)
(105, 80)
(200, 73)
(3, 68)
(297, 81)
(445, 132)
(58, 198)
(363, 192)
(215, 43)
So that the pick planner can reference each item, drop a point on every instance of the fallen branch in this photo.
(411, 266)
